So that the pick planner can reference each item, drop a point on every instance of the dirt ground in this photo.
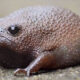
(65, 74)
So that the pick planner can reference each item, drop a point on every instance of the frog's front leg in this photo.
(44, 60)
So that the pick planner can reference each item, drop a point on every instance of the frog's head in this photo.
(10, 36)
(12, 41)
(12, 52)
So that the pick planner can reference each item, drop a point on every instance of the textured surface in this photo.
(7, 6)
(43, 29)
(65, 74)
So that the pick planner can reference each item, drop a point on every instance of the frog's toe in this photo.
(20, 72)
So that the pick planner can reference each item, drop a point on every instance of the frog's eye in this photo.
(14, 29)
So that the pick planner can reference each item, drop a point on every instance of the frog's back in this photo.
(52, 25)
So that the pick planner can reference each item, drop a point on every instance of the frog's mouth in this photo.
(9, 58)
(5, 41)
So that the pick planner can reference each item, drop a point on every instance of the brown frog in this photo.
(37, 38)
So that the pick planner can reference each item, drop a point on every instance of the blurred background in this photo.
(9, 6)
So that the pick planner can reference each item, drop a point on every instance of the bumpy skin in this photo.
(49, 38)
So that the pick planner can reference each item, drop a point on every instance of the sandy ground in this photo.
(65, 74)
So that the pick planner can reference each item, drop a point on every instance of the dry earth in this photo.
(64, 74)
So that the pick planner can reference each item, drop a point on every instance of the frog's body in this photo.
(46, 37)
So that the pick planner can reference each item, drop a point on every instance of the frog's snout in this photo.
(3, 39)
(1, 30)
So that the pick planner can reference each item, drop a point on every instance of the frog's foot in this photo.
(44, 60)
(20, 72)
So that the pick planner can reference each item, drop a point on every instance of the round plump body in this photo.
(29, 32)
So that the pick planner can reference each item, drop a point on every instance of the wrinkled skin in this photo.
(48, 38)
